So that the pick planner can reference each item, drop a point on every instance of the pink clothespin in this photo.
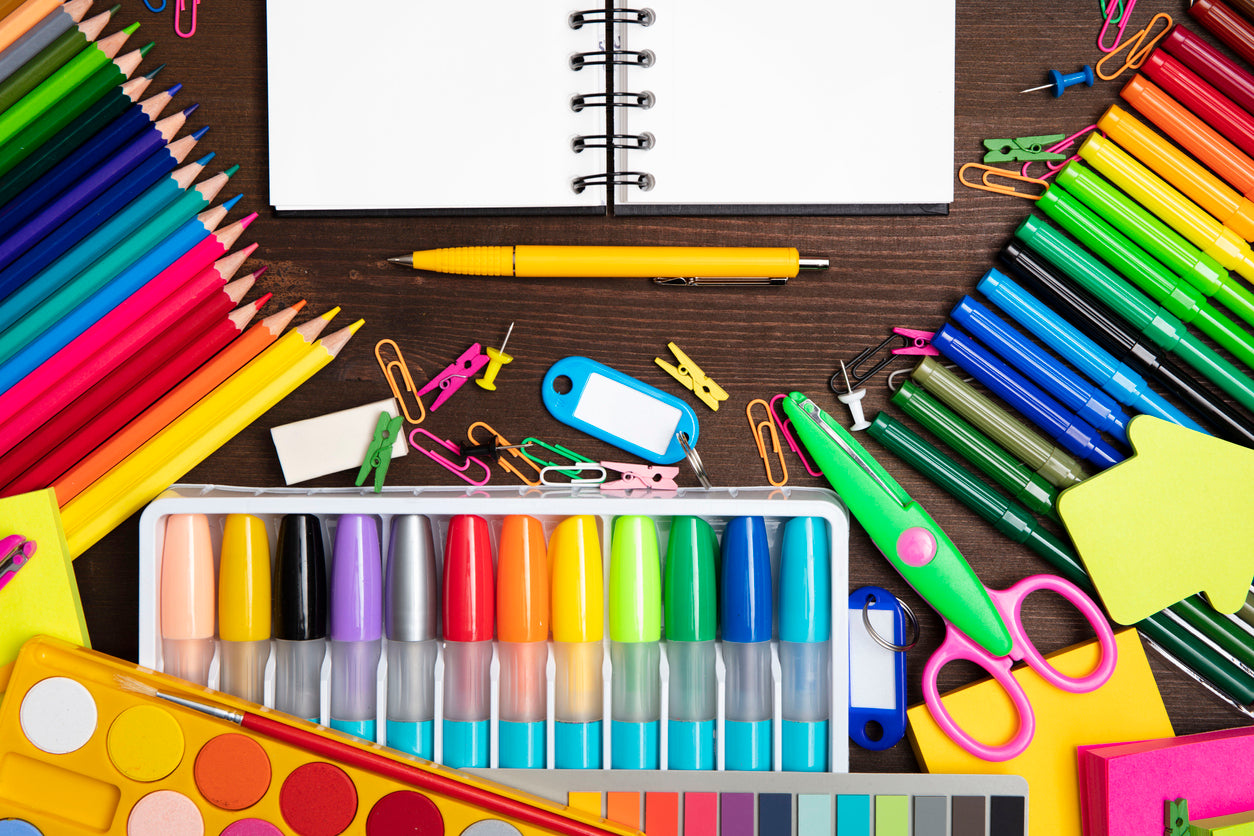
(649, 476)
(458, 372)
(919, 342)
(458, 470)
(180, 11)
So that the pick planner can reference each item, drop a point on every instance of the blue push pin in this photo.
(1061, 82)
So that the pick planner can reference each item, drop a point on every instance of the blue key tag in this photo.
(877, 675)
(618, 409)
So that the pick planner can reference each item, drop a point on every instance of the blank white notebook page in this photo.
(794, 102)
(400, 104)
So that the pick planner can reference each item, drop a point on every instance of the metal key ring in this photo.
(880, 640)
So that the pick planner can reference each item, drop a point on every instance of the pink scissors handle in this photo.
(1009, 602)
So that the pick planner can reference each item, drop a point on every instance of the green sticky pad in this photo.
(1176, 518)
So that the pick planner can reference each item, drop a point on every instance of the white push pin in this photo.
(853, 400)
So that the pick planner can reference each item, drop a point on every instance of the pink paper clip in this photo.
(1123, 24)
(457, 470)
(457, 373)
(785, 428)
(1058, 147)
(652, 477)
(180, 11)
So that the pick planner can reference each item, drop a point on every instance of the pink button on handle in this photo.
(916, 546)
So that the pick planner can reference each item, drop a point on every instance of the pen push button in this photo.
(916, 546)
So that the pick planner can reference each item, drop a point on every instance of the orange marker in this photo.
(187, 598)
(522, 618)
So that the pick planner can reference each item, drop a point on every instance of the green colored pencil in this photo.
(52, 58)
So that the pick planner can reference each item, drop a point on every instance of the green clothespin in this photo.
(379, 455)
(1177, 818)
(1023, 149)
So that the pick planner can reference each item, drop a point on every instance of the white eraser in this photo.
(331, 443)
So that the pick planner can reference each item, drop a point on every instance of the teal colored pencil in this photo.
(112, 233)
(118, 261)
(50, 59)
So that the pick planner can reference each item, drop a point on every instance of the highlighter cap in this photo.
(244, 580)
(469, 595)
(187, 593)
(746, 582)
(356, 580)
(300, 580)
(691, 591)
(522, 603)
(575, 563)
(805, 582)
(635, 581)
(410, 603)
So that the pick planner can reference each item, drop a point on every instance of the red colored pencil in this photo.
(107, 344)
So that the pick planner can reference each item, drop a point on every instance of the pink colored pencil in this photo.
(107, 344)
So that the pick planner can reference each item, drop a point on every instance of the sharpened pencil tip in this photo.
(130, 30)
(402, 259)
(196, 136)
(189, 110)
(155, 70)
(204, 161)
(230, 172)
(330, 315)
(230, 204)
(143, 50)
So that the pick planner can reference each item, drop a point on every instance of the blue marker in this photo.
(1120, 381)
(1077, 436)
(746, 612)
(1088, 401)
(805, 632)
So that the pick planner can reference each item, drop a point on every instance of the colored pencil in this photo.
(54, 270)
(197, 433)
(182, 319)
(127, 164)
(43, 33)
(52, 58)
(191, 241)
(19, 21)
(54, 88)
(105, 143)
(180, 399)
(135, 387)
(109, 343)
(116, 244)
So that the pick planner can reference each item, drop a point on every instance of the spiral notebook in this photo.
(658, 107)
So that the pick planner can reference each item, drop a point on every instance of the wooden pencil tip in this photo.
(334, 343)
(298, 306)
(262, 300)
(330, 315)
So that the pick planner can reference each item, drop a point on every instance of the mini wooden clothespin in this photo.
(1023, 149)
(649, 476)
(1177, 818)
(457, 373)
(379, 454)
(690, 374)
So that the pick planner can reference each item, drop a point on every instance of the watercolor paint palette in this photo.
(88, 747)
(550, 507)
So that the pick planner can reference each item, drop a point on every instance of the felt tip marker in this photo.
(300, 616)
(805, 633)
(187, 594)
(578, 612)
(522, 617)
(468, 604)
(410, 612)
(747, 620)
(635, 594)
(690, 610)
(244, 607)
(356, 625)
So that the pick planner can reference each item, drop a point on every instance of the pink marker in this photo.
(187, 598)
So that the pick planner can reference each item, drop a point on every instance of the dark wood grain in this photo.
(886, 271)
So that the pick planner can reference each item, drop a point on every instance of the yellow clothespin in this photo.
(391, 366)
(690, 374)
(379, 455)
(767, 423)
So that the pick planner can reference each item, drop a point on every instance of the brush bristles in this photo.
(136, 686)
(130, 683)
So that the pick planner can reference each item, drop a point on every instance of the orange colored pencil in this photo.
(17, 22)
(133, 436)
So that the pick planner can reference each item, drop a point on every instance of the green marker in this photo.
(1177, 297)
(1164, 243)
(691, 605)
(1025, 486)
(1014, 521)
(635, 603)
(1152, 321)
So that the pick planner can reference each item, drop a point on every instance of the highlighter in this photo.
(356, 627)
(410, 610)
(805, 638)
(575, 567)
(690, 610)
(1186, 87)
(747, 620)
(635, 594)
(522, 618)
(469, 598)
(187, 594)
(1228, 76)
(244, 607)
(300, 616)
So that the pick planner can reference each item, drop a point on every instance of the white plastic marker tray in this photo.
(550, 506)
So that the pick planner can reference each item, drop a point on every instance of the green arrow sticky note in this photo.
(1176, 518)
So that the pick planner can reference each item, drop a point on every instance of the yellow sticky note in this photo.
(42, 598)
(1127, 707)
(1174, 519)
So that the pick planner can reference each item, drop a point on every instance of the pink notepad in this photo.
(1124, 787)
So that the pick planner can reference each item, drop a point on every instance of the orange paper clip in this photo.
(390, 367)
(756, 427)
(986, 184)
(1137, 47)
(508, 467)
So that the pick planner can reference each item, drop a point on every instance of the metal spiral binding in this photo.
(641, 180)
(643, 17)
(643, 141)
(638, 58)
(643, 100)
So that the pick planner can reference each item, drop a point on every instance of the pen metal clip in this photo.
(722, 281)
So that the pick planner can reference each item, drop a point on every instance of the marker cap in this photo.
(411, 607)
(469, 588)
(187, 582)
(691, 590)
(746, 582)
(575, 561)
(805, 582)
(244, 580)
(522, 603)
(356, 580)
(635, 581)
(300, 580)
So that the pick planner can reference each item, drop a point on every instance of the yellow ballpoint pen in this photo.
(665, 265)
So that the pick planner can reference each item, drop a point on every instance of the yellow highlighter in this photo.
(665, 265)
(577, 603)
(244, 606)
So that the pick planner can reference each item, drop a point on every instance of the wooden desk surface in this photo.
(886, 272)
